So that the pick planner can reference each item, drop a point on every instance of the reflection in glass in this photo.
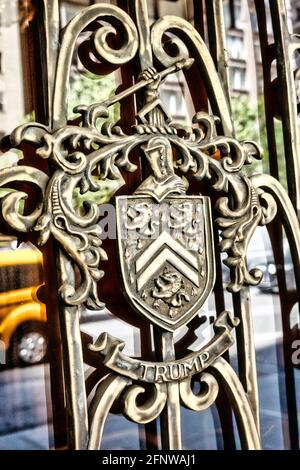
(24, 376)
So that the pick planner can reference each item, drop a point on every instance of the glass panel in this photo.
(24, 375)
(25, 404)
(237, 78)
(268, 343)
(235, 46)
(25, 409)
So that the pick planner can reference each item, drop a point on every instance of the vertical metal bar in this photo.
(40, 45)
(288, 405)
(287, 218)
(57, 392)
(73, 366)
(217, 41)
(51, 21)
(69, 316)
(164, 341)
(172, 438)
(148, 432)
(170, 417)
(285, 83)
(241, 300)
(287, 98)
(143, 26)
(224, 410)
(246, 349)
(267, 54)
(149, 438)
(219, 105)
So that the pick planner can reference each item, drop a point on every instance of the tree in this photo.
(87, 89)
(250, 124)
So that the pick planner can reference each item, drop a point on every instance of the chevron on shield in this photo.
(169, 251)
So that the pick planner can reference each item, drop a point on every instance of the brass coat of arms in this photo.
(167, 256)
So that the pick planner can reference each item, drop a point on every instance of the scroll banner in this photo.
(158, 372)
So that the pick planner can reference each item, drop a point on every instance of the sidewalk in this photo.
(30, 439)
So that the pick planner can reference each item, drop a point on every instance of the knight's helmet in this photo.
(160, 157)
(163, 180)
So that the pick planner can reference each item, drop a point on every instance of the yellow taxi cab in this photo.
(22, 316)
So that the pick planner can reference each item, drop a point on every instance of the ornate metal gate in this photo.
(189, 199)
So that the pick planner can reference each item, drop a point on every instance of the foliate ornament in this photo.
(76, 151)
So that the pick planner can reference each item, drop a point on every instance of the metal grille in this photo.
(184, 197)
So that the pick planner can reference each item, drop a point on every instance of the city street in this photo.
(23, 392)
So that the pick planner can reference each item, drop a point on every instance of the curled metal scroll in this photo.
(115, 387)
(205, 398)
(118, 22)
(11, 202)
(149, 410)
(106, 394)
(271, 187)
(186, 40)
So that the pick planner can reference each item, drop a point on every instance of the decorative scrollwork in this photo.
(77, 151)
(205, 398)
(117, 22)
(185, 41)
(78, 234)
(244, 208)
(107, 392)
(11, 202)
(233, 388)
(150, 409)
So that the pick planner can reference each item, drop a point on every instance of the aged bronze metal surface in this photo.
(165, 237)
(111, 350)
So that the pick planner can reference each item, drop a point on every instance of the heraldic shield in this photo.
(166, 256)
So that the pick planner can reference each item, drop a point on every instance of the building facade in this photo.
(295, 9)
(11, 75)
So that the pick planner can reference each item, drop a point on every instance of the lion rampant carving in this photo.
(169, 287)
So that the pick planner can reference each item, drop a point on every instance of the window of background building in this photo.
(68, 12)
(257, 52)
(227, 16)
(1, 69)
(174, 102)
(235, 46)
(253, 19)
(1, 101)
(237, 17)
(232, 23)
(237, 78)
